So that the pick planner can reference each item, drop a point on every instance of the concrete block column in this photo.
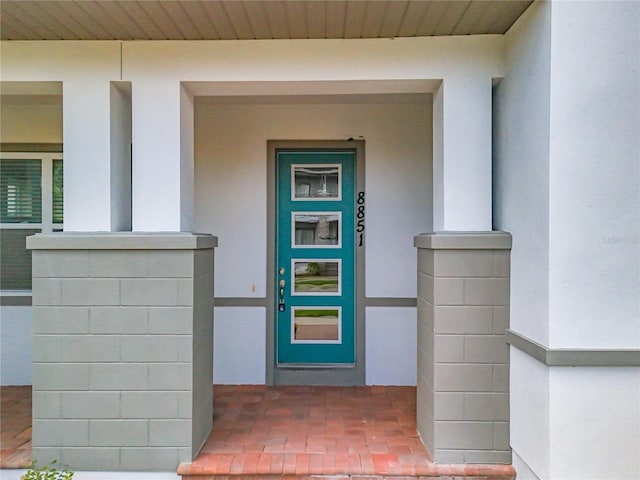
(463, 358)
(122, 349)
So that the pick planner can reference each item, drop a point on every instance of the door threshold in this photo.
(334, 375)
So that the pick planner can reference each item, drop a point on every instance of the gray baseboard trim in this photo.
(574, 357)
(242, 301)
(15, 300)
(239, 302)
(31, 147)
(262, 302)
(390, 302)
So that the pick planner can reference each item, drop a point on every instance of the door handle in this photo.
(281, 305)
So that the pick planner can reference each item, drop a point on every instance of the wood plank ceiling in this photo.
(252, 19)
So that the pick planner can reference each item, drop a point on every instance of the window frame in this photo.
(46, 225)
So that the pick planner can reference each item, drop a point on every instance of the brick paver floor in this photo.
(298, 431)
(15, 427)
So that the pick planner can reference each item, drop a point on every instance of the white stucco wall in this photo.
(594, 177)
(15, 345)
(521, 168)
(231, 196)
(239, 346)
(391, 346)
(567, 186)
(529, 397)
(594, 423)
(594, 224)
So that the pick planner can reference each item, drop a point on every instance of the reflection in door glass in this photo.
(316, 325)
(316, 277)
(316, 229)
(317, 182)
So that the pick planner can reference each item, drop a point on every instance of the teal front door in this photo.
(315, 257)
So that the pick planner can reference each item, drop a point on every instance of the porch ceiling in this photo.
(252, 19)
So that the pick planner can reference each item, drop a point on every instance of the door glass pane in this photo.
(315, 325)
(316, 277)
(321, 229)
(318, 182)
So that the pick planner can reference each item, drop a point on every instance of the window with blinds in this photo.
(31, 201)
(57, 191)
(21, 191)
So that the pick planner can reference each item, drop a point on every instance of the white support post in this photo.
(86, 126)
(462, 154)
(162, 156)
(187, 123)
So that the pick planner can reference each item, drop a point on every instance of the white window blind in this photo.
(57, 199)
(31, 201)
(20, 191)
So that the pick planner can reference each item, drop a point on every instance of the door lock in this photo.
(282, 283)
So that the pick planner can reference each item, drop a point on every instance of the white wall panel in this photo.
(391, 346)
(529, 411)
(15, 345)
(239, 343)
(524, 472)
(595, 416)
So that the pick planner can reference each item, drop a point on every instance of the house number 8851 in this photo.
(360, 218)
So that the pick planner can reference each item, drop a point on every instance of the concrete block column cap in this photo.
(494, 240)
(122, 241)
